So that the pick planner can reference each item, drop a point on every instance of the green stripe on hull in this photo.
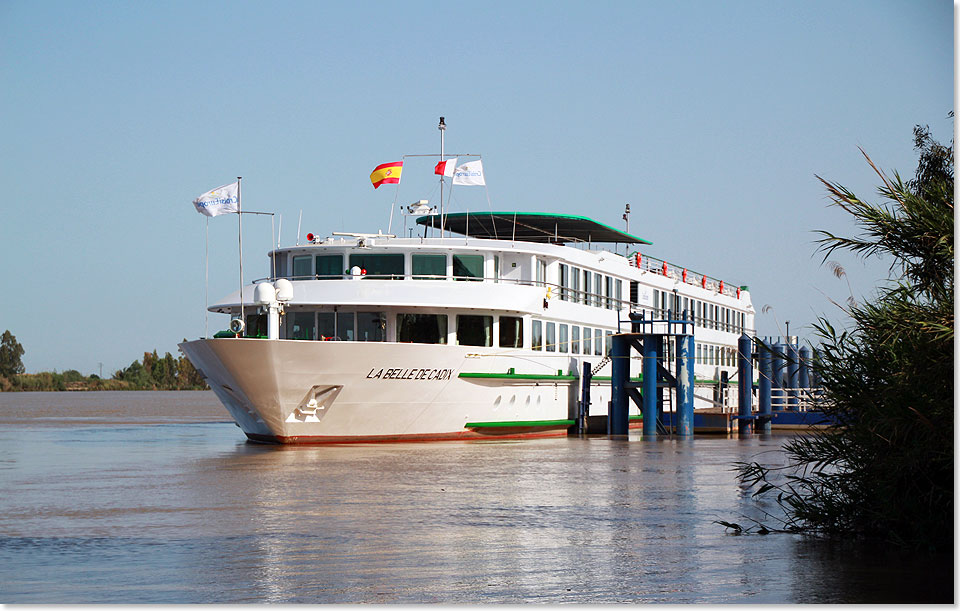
(518, 423)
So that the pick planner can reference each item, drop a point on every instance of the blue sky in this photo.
(710, 118)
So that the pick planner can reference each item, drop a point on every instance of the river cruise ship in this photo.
(478, 327)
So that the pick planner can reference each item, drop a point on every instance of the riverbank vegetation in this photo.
(885, 472)
(153, 373)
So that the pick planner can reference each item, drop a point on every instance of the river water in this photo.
(156, 497)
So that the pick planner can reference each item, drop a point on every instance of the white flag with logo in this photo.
(470, 173)
(219, 201)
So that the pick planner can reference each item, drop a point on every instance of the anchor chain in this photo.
(605, 360)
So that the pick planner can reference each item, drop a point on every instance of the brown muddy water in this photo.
(156, 497)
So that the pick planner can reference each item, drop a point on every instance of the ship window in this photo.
(551, 337)
(346, 330)
(422, 328)
(574, 285)
(280, 263)
(256, 325)
(429, 267)
(473, 330)
(511, 332)
(564, 281)
(564, 340)
(598, 342)
(326, 326)
(587, 340)
(496, 268)
(586, 287)
(536, 335)
(618, 294)
(371, 326)
(541, 272)
(302, 267)
(598, 291)
(329, 267)
(382, 266)
(468, 266)
(609, 293)
(300, 325)
(608, 342)
(575, 339)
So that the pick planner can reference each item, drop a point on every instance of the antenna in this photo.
(298, 226)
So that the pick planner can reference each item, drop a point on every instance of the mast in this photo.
(442, 127)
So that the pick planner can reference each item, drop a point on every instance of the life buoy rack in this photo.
(639, 260)
(684, 275)
(664, 268)
(721, 287)
(703, 281)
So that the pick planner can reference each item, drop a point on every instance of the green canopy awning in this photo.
(530, 227)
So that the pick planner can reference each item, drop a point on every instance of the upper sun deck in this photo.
(537, 227)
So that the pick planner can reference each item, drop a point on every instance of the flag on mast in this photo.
(446, 168)
(470, 173)
(221, 200)
(386, 173)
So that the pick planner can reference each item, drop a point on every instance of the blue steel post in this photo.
(793, 374)
(618, 420)
(766, 425)
(776, 370)
(745, 384)
(685, 382)
(651, 356)
(804, 375)
(584, 411)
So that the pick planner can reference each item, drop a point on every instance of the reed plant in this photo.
(885, 471)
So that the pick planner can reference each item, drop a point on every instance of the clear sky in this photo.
(710, 118)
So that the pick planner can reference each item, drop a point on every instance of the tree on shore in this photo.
(10, 353)
(885, 471)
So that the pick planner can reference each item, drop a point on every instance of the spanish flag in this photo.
(386, 172)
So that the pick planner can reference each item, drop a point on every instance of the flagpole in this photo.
(240, 240)
(206, 281)
(443, 128)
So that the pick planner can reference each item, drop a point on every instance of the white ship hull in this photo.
(376, 391)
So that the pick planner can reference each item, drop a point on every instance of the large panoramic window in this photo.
(468, 267)
(302, 267)
(335, 326)
(329, 267)
(473, 330)
(371, 326)
(256, 325)
(300, 325)
(379, 266)
(429, 267)
(422, 328)
(511, 332)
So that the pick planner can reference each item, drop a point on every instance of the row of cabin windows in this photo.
(471, 329)
(703, 314)
(590, 288)
(568, 339)
(389, 266)
(576, 285)
(711, 354)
